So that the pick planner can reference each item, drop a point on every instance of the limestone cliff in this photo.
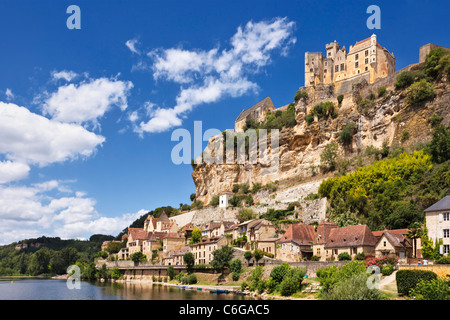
(300, 147)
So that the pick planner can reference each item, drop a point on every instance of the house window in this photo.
(446, 249)
(335, 251)
(342, 67)
(366, 61)
(336, 69)
(384, 243)
(325, 71)
(318, 251)
(446, 233)
(356, 64)
(292, 247)
(367, 53)
(367, 68)
(446, 216)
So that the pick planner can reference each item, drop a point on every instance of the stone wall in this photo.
(442, 270)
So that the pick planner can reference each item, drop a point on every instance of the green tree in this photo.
(346, 134)
(40, 262)
(415, 232)
(404, 79)
(193, 196)
(440, 144)
(258, 255)
(170, 272)
(248, 255)
(214, 201)
(420, 91)
(222, 258)
(189, 260)
(196, 235)
(246, 214)
(329, 155)
(138, 257)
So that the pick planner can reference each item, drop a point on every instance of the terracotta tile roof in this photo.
(256, 224)
(207, 241)
(362, 41)
(351, 236)
(397, 240)
(299, 233)
(397, 231)
(323, 231)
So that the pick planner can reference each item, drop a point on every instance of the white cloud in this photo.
(30, 138)
(11, 171)
(88, 101)
(208, 76)
(131, 44)
(64, 74)
(9, 94)
(27, 212)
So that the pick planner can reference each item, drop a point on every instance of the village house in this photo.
(268, 245)
(106, 243)
(176, 257)
(161, 224)
(296, 243)
(351, 239)
(255, 230)
(437, 218)
(393, 242)
(257, 112)
(323, 231)
(224, 197)
(216, 228)
(202, 250)
(172, 242)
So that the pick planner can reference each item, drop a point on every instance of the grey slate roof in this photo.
(267, 101)
(443, 204)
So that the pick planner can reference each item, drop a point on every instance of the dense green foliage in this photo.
(323, 110)
(408, 279)
(353, 288)
(222, 258)
(404, 79)
(48, 256)
(420, 91)
(329, 155)
(331, 275)
(346, 134)
(391, 193)
(434, 289)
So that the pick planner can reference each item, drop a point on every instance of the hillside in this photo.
(377, 117)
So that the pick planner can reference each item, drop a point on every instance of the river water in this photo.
(56, 289)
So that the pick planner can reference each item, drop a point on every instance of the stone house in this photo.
(437, 219)
(350, 239)
(216, 228)
(255, 230)
(202, 250)
(176, 257)
(257, 112)
(268, 245)
(323, 231)
(394, 242)
(224, 197)
(296, 243)
(172, 242)
(161, 224)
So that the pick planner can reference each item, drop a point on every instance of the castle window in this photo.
(342, 67)
(367, 53)
(311, 70)
(367, 68)
(336, 69)
(325, 71)
(356, 64)
(356, 56)
(366, 61)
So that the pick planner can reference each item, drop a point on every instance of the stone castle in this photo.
(367, 59)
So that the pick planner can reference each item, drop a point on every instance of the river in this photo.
(56, 289)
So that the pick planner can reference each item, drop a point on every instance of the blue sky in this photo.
(86, 116)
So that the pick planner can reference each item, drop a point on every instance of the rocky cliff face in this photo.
(300, 147)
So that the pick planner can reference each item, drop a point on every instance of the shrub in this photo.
(189, 279)
(244, 188)
(235, 188)
(405, 136)
(329, 155)
(279, 272)
(404, 79)
(434, 289)
(408, 279)
(435, 119)
(309, 118)
(344, 256)
(434, 64)
(353, 288)
(214, 201)
(439, 146)
(340, 98)
(236, 266)
(387, 270)
(443, 260)
(300, 94)
(360, 256)
(381, 91)
(235, 276)
(346, 134)
(420, 91)
(244, 285)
